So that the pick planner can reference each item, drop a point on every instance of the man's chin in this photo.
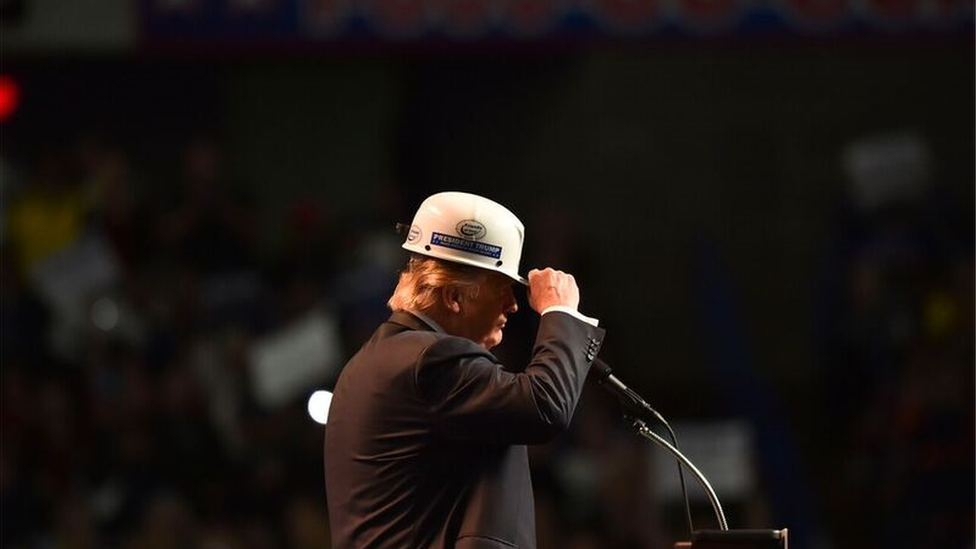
(493, 341)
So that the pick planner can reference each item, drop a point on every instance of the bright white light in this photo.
(318, 406)
(105, 314)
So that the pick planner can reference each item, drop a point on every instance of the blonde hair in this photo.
(423, 277)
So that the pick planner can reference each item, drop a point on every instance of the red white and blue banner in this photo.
(339, 21)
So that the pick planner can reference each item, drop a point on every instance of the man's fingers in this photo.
(549, 287)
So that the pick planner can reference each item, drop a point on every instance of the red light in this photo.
(9, 97)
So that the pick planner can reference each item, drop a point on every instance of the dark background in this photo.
(695, 183)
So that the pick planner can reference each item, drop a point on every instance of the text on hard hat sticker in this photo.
(470, 246)
(414, 234)
(469, 228)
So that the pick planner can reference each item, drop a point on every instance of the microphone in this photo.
(603, 375)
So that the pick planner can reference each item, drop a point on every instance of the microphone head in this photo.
(600, 370)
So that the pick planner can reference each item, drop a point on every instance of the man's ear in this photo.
(451, 297)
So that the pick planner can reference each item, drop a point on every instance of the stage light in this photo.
(318, 406)
(9, 97)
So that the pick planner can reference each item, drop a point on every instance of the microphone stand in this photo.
(637, 411)
(646, 432)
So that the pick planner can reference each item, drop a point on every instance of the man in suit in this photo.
(425, 440)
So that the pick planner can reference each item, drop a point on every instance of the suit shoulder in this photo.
(450, 360)
(449, 348)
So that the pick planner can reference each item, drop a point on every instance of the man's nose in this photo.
(511, 302)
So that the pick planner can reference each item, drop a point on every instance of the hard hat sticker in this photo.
(414, 234)
(470, 246)
(469, 228)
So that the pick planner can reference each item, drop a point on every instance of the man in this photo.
(425, 443)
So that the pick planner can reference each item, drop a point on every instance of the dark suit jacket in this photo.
(425, 442)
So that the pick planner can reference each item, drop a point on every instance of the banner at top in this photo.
(338, 21)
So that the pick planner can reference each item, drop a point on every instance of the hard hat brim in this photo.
(471, 263)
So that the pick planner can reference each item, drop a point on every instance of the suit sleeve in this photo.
(471, 397)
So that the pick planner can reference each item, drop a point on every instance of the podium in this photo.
(735, 539)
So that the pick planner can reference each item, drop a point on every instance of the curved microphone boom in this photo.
(641, 411)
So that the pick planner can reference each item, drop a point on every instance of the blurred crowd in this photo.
(129, 309)
(897, 337)
(126, 316)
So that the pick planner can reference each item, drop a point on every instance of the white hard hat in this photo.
(469, 229)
